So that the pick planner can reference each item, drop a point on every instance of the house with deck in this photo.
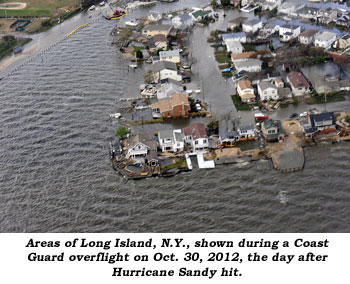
(141, 148)
(164, 70)
(196, 137)
(176, 106)
(321, 123)
(171, 140)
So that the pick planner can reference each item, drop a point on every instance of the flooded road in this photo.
(56, 175)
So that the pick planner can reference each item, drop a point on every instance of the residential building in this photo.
(279, 82)
(160, 41)
(299, 84)
(343, 20)
(176, 106)
(243, 56)
(248, 65)
(182, 21)
(246, 132)
(246, 92)
(284, 93)
(200, 14)
(164, 91)
(325, 39)
(321, 123)
(236, 22)
(308, 36)
(252, 26)
(154, 17)
(288, 32)
(309, 13)
(343, 42)
(163, 70)
(139, 146)
(267, 91)
(272, 130)
(290, 8)
(234, 46)
(171, 140)
(196, 136)
(170, 56)
(241, 37)
(327, 16)
(151, 30)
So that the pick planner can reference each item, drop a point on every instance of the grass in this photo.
(179, 163)
(249, 47)
(136, 49)
(222, 57)
(42, 8)
(6, 48)
(331, 98)
(238, 103)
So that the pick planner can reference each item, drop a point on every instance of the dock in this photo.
(202, 164)
(188, 162)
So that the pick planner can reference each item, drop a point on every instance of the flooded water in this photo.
(55, 170)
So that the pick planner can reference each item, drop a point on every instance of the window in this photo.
(205, 141)
(196, 142)
(265, 92)
(300, 89)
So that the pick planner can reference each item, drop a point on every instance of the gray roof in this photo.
(289, 26)
(246, 127)
(252, 22)
(179, 136)
(265, 85)
(322, 117)
(157, 27)
(184, 17)
(247, 63)
(158, 66)
(325, 36)
(233, 35)
(174, 52)
(166, 134)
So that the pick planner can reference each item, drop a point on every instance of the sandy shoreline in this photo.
(6, 62)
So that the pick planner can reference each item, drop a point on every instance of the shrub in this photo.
(347, 118)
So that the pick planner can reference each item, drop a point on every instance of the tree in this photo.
(213, 3)
(225, 2)
(139, 54)
(121, 132)
(347, 118)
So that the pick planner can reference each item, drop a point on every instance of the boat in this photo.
(18, 49)
(115, 115)
(133, 65)
(116, 15)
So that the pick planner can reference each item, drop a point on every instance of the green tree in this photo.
(121, 132)
(225, 2)
(139, 54)
(347, 118)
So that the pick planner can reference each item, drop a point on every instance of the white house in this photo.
(325, 39)
(267, 91)
(246, 132)
(137, 148)
(165, 70)
(170, 55)
(246, 92)
(182, 21)
(171, 140)
(288, 32)
(308, 36)
(252, 26)
(248, 65)
(241, 37)
(196, 136)
(234, 46)
(298, 83)
(290, 8)
(164, 91)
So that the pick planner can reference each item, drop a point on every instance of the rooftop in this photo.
(196, 130)
(297, 80)
(157, 27)
(309, 33)
(245, 84)
(174, 52)
(247, 63)
(252, 22)
(158, 66)
(266, 85)
(325, 36)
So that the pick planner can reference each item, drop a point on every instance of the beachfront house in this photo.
(151, 30)
(234, 46)
(176, 106)
(321, 123)
(299, 84)
(267, 91)
(288, 32)
(246, 132)
(325, 39)
(246, 92)
(272, 130)
(248, 65)
(196, 137)
(138, 147)
(252, 26)
(170, 55)
(171, 140)
(164, 70)
(182, 21)
(308, 36)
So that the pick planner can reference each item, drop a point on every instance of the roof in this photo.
(243, 55)
(179, 135)
(252, 22)
(184, 17)
(297, 80)
(196, 130)
(270, 123)
(234, 44)
(245, 84)
(284, 92)
(289, 26)
(266, 85)
(309, 33)
(238, 20)
(158, 66)
(163, 105)
(233, 35)
(166, 134)
(152, 27)
(246, 127)
(278, 80)
(136, 138)
(325, 36)
(322, 118)
(174, 52)
(201, 13)
(159, 38)
(178, 99)
(247, 63)
(269, 26)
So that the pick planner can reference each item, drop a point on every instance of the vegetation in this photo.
(225, 2)
(227, 74)
(121, 132)
(295, 101)
(179, 163)
(249, 47)
(139, 54)
(222, 57)
(237, 29)
(137, 49)
(213, 127)
(347, 118)
(272, 13)
(332, 97)
(240, 106)
(9, 43)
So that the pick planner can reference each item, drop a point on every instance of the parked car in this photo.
(186, 79)
(198, 107)
(102, 3)
(303, 114)
(92, 7)
(293, 115)
(186, 66)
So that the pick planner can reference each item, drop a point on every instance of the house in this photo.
(200, 14)
(234, 46)
(170, 56)
(270, 28)
(235, 23)
(176, 106)
(196, 136)
(243, 55)
(272, 130)
(267, 91)
(171, 140)
(246, 132)
(327, 16)
(279, 82)
(246, 92)
(290, 8)
(228, 137)
(309, 13)
(343, 20)
(284, 93)
(248, 65)
(343, 42)
(160, 42)
(241, 37)
(164, 91)
(308, 36)
(325, 39)
(288, 32)
(321, 123)
(252, 26)
(182, 21)
(268, 4)
(298, 83)
(139, 147)
(154, 17)
(163, 70)
(151, 30)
